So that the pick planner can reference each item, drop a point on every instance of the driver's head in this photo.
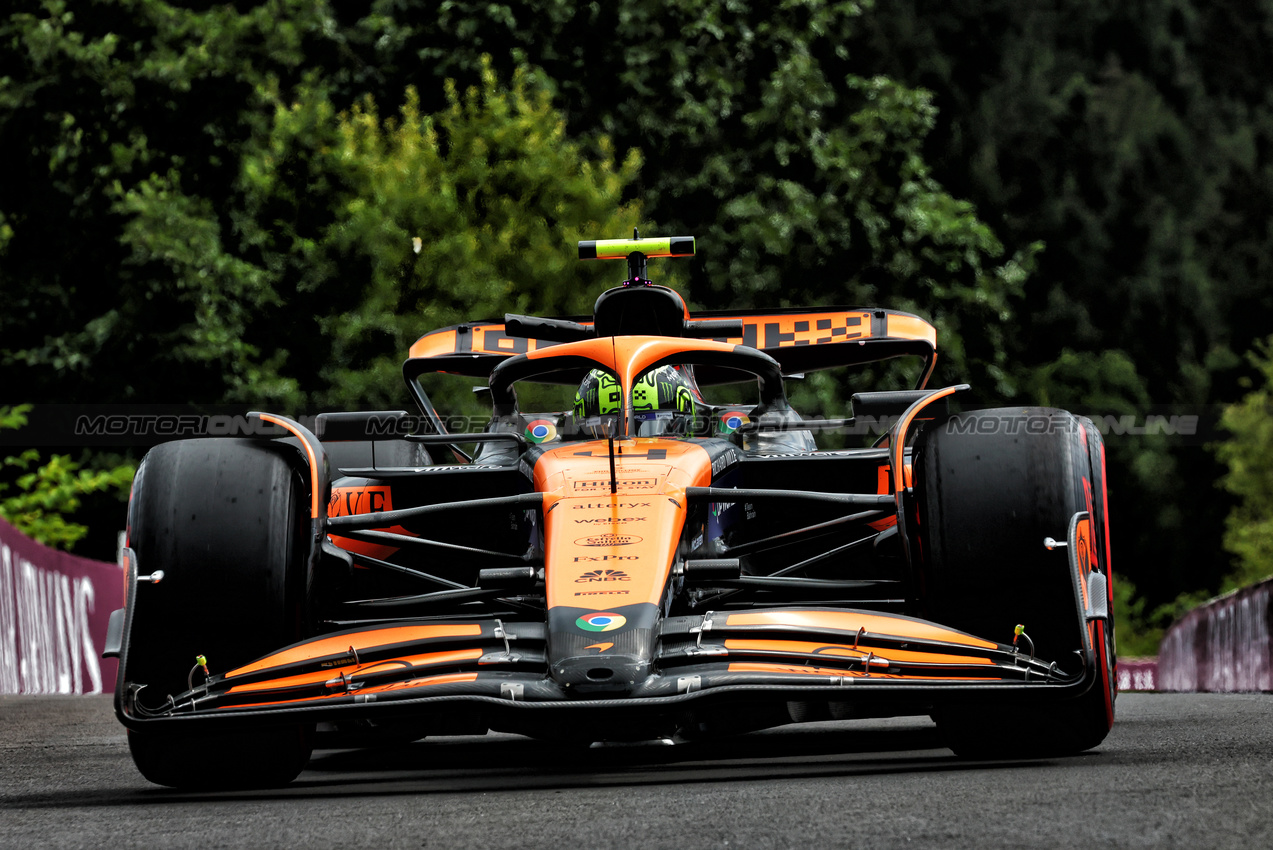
(666, 400)
(599, 397)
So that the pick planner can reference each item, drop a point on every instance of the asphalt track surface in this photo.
(1179, 770)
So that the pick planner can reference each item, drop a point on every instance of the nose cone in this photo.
(610, 537)
(608, 651)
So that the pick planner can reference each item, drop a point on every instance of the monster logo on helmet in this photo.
(598, 395)
(664, 388)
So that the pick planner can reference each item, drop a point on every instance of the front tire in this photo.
(254, 758)
(992, 485)
(226, 522)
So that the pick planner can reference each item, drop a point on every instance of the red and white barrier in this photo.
(54, 607)
(1222, 646)
(1138, 674)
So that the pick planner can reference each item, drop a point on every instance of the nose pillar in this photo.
(610, 651)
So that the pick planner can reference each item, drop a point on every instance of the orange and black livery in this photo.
(667, 552)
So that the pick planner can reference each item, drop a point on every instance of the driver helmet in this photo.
(598, 395)
(665, 400)
(598, 399)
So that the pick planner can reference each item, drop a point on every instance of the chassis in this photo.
(370, 579)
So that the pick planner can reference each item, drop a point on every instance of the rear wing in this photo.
(801, 340)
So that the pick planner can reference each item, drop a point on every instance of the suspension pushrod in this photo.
(781, 580)
(376, 562)
(729, 494)
(408, 540)
(798, 534)
(457, 595)
(384, 518)
(800, 583)
(853, 544)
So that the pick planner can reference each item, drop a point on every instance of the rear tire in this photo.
(226, 521)
(992, 485)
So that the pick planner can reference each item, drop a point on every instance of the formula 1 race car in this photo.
(625, 533)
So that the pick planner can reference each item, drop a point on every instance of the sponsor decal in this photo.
(343, 661)
(359, 500)
(608, 540)
(597, 485)
(595, 558)
(53, 612)
(605, 506)
(731, 421)
(721, 508)
(603, 593)
(603, 575)
(723, 461)
(599, 647)
(540, 431)
(608, 520)
(601, 621)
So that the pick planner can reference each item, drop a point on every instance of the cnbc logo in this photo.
(603, 575)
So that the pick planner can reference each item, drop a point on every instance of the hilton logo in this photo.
(601, 484)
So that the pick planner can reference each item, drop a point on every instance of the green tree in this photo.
(50, 492)
(107, 108)
(1248, 454)
(429, 220)
(169, 228)
(1132, 139)
(804, 177)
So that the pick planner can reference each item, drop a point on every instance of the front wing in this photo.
(779, 653)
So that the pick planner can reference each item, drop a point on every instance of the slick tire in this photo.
(202, 761)
(992, 485)
(226, 521)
